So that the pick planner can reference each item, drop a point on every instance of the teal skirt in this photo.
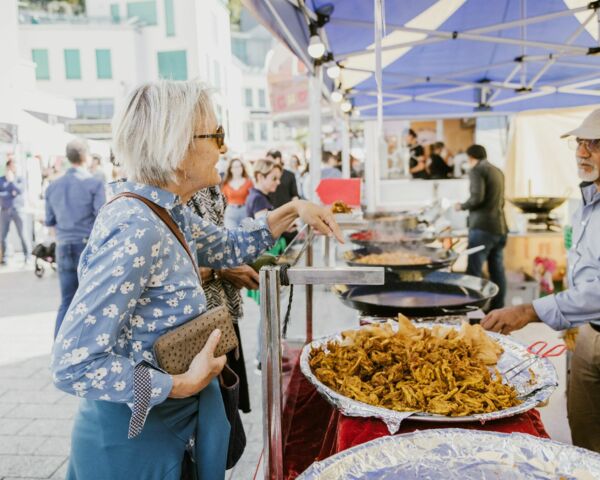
(100, 448)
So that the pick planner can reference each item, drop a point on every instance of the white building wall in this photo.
(121, 41)
(201, 29)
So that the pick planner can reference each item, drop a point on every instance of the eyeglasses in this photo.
(219, 136)
(592, 146)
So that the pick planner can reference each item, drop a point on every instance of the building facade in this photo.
(97, 58)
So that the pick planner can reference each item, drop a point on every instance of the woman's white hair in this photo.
(155, 126)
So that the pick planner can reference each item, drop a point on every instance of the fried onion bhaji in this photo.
(439, 370)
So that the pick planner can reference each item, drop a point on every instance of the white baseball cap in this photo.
(589, 129)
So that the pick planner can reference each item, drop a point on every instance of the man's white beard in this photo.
(587, 176)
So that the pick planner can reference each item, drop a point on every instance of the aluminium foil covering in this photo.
(458, 454)
(534, 385)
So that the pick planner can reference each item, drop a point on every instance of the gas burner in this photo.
(543, 222)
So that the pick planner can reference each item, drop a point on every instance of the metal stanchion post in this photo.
(271, 372)
(270, 283)
(309, 296)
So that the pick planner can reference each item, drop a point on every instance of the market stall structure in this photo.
(446, 59)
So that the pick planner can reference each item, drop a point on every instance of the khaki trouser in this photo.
(583, 397)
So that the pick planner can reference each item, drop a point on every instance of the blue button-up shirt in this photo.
(580, 303)
(11, 193)
(72, 204)
(136, 283)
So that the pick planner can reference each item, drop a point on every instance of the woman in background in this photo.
(236, 186)
(438, 168)
(222, 286)
(267, 175)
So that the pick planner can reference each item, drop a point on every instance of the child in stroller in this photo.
(44, 254)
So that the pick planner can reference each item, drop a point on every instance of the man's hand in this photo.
(240, 277)
(457, 207)
(509, 319)
(206, 274)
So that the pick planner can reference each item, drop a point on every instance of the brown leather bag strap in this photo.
(167, 220)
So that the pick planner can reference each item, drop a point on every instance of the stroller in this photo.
(44, 254)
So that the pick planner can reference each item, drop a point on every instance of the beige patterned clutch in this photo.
(176, 349)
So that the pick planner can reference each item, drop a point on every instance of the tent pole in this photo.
(345, 131)
(378, 16)
(298, 49)
(314, 89)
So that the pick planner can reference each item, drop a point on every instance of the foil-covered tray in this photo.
(534, 385)
(458, 454)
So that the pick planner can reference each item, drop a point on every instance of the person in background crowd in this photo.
(356, 167)
(487, 224)
(438, 168)
(236, 187)
(460, 163)
(96, 168)
(305, 182)
(267, 177)
(330, 166)
(12, 188)
(72, 205)
(579, 304)
(296, 169)
(417, 165)
(222, 286)
(286, 191)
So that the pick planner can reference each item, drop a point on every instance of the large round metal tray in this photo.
(531, 391)
(458, 454)
(439, 258)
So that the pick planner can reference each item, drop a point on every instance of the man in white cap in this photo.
(579, 304)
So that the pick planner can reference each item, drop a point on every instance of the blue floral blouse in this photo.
(136, 283)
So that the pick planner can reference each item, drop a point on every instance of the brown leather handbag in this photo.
(175, 350)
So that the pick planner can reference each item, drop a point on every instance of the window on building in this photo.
(115, 12)
(103, 64)
(248, 97)
(169, 18)
(42, 67)
(72, 64)
(239, 49)
(262, 101)
(173, 65)
(276, 135)
(145, 11)
(94, 108)
(264, 131)
(250, 137)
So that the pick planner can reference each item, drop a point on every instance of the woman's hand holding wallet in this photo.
(202, 370)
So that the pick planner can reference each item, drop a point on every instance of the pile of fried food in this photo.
(398, 258)
(439, 370)
(340, 207)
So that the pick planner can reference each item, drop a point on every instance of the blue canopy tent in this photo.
(450, 57)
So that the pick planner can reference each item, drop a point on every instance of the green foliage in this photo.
(235, 13)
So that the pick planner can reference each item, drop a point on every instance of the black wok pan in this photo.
(439, 293)
(537, 204)
(440, 258)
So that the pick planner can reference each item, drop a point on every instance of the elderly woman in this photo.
(136, 283)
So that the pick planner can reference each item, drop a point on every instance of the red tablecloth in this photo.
(314, 430)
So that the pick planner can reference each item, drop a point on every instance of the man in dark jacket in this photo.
(287, 190)
(487, 225)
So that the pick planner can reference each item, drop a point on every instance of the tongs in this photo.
(304, 234)
(538, 349)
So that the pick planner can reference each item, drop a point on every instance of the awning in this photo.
(454, 57)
